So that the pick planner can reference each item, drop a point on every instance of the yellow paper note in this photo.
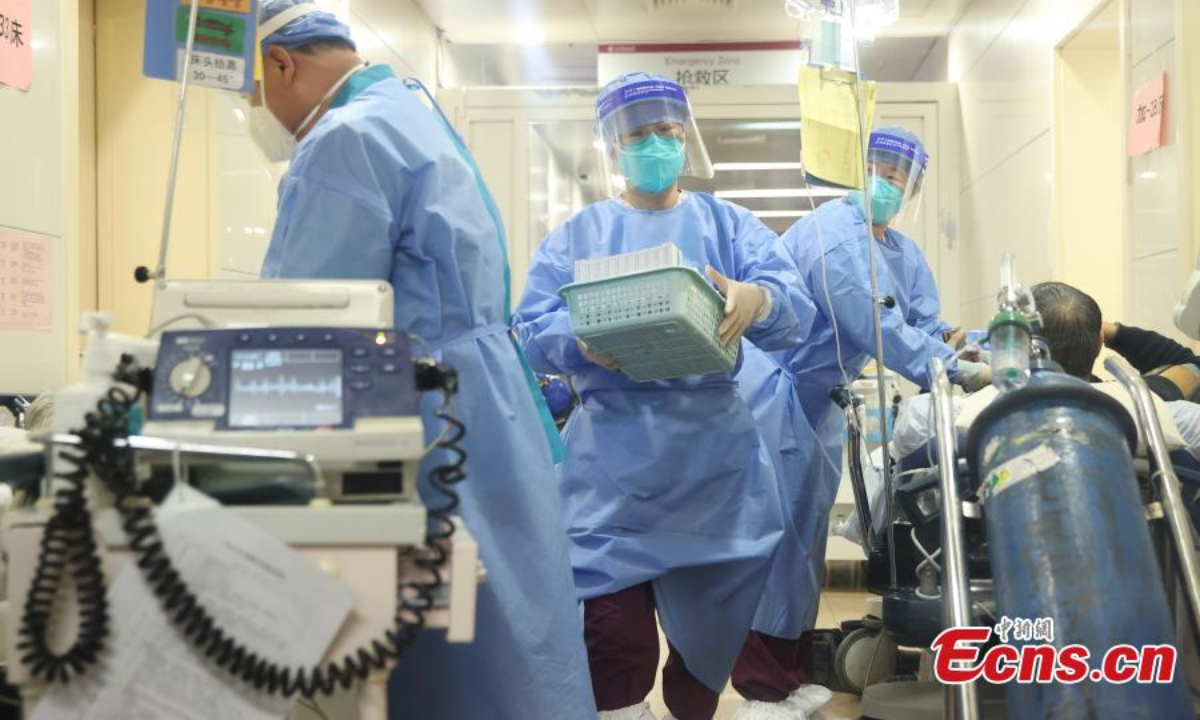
(831, 146)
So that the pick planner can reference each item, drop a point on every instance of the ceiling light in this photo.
(754, 167)
(1148, 175)
(530, 34)
(767, 125)
(782, 193)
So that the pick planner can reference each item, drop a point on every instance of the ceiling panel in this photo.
(596, 21)
(513, 65)
(635, 21)
(499, 21)
(895, 59)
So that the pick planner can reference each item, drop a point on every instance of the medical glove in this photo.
(886, 200)
(974, 353)
(973, 376)
(745, 304)
(608, 362)
(653, 163)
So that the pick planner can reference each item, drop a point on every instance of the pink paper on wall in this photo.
(24, 281)
(1148, 126)
(16, 44)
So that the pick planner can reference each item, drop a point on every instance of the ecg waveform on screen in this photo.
(289, 387)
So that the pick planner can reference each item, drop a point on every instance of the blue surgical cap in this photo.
(308, 28)
(899, 147)
(638, 99)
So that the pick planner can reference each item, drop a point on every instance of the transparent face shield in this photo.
(895, 175)
(648, 139)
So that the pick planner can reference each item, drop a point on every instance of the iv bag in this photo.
(830, 28)
(878, 13)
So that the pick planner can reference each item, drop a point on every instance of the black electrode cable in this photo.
(69, 547)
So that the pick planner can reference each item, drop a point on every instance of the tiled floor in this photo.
(836, 607)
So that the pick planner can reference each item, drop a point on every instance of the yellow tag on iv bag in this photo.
(831, 145)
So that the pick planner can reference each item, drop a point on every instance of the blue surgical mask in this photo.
(886, 200)
(653, 164)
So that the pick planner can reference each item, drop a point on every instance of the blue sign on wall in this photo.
(224, 50)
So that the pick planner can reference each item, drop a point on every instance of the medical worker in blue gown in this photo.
(775, 669)
(379, 187)
(670, 495)
(830, 250)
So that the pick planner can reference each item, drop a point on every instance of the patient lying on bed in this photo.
(1073, 326)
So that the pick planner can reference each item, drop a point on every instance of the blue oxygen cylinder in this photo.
(1069, 541)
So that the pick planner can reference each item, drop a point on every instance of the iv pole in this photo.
(143, 274)
(877, 314)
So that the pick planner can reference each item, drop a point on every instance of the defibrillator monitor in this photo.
(346, 396)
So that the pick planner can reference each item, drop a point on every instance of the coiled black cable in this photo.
(68, 546)
(115, 468)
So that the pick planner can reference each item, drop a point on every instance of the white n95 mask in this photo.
(276, 142)
(270, 135)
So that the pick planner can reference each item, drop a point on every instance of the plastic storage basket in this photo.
(658, 324)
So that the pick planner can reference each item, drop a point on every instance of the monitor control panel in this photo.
(271, 379)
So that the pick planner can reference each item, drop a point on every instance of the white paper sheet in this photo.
(24, 280)
(660, 256)
(273, 600)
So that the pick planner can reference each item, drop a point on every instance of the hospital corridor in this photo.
(599, 359)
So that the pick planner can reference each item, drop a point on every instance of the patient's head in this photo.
(1071, 325)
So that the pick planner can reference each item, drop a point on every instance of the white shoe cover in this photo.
(633, 712)
(755, 710)
(809, 698)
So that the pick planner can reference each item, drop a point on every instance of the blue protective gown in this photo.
(830, 251)
(667, 482)
(791, 598)
(381, 190)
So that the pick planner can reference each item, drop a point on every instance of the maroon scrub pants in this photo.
(770, 668)
(622, 642)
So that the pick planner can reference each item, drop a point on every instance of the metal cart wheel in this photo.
(864, 657)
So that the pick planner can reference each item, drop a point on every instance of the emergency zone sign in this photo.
(223, 51)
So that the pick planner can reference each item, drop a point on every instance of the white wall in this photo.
(39, 185)
(1159, 260)
(1089, 171)
(399, 33)
(936, 65)
(1002, 55)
